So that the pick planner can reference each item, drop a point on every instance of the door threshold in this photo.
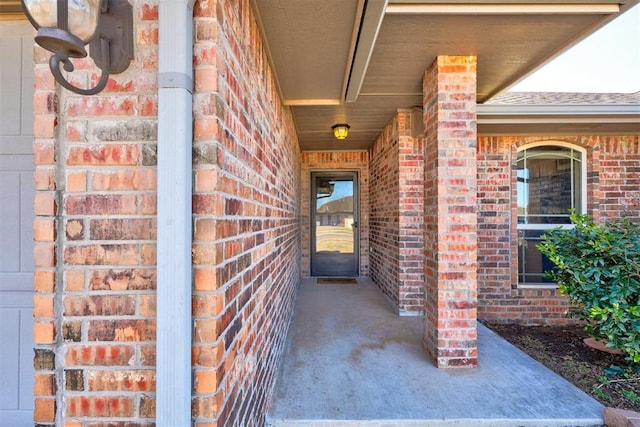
(337, 281)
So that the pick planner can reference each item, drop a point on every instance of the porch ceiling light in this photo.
(66, 26)
(340, 130)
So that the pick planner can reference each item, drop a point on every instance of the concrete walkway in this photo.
(350, 361)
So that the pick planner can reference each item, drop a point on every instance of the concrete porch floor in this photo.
(350, 360)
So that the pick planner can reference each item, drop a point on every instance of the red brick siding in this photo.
(95, 177)
(495, 170)
(246, 249)
(450, 211)
(411, 209)
(335, 160)
(612, 189)
(619, 177)
(384, 217)
(396, 232)
(95, 219)
(96, 233)
(46, 237)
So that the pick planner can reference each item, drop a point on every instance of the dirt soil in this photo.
(561, 349)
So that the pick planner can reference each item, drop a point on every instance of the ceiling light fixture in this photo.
(340, 130)
(65, 27)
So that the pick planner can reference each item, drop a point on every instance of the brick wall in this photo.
(335, 160)
(612, 190)
(396, 219)
(95, 206)
(95, 227)
(247, 218)
(95, 231)
(411, 208)
(619, 177)
(384, 218)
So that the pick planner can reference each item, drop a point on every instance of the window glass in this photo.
(549, 185)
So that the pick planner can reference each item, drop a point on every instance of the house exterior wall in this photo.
(334, 161)
(384, 219)
(246, 204)
(618, 188)
(612, 191)
(95, 241)
(95, 231)
(95, 227)
(396, 231)
(411, 194)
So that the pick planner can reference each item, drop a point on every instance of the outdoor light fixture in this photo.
(66, 26)
(325, 188)
(340, 130)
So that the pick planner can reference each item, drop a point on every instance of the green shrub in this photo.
(598, 267)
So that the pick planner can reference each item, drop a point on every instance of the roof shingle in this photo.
(563, 98)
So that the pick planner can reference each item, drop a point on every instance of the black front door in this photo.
(334, 224)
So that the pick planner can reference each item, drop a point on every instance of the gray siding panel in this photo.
(26, 356)
(16, 224)
(16, 87)
(9, 358)
(10, 78)
(9, 223)
(27, 194)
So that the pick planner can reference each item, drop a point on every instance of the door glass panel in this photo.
(334, 226)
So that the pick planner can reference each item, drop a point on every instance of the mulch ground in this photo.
(562, 349)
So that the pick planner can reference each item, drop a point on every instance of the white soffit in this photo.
(310, 46)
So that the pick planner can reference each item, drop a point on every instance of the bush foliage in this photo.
(598, 267)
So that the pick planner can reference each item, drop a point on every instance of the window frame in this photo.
(582, 159)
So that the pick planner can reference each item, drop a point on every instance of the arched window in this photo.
(551, 182)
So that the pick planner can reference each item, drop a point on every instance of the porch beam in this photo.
(369, 28)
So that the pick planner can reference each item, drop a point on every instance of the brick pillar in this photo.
(450, 207)
(45, 206)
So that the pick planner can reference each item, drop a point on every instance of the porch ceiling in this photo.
(331, 68)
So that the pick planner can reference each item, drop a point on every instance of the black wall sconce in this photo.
(65, 27)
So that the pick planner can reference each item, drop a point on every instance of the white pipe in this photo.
(502, 9)
(175, 136)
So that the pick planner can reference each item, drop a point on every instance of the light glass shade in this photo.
(341, 130)
(83, 16)
(66, 27)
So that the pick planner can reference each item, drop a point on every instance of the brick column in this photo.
(450, 208)
(45, 206)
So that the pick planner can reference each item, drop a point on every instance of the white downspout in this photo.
(175, 136)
